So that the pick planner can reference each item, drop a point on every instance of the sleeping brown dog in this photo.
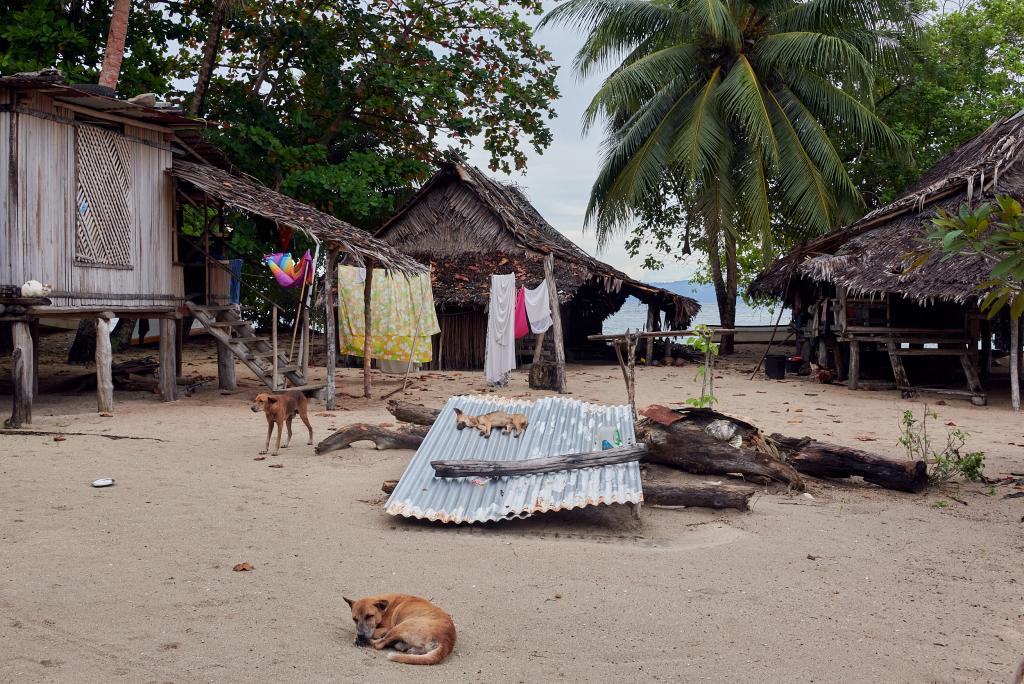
(281, 409)
(421, 632)
(495, 419)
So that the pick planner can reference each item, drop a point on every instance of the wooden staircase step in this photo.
(250, 339)
(229, 324)
(213, 308)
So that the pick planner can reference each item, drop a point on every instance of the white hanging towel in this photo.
(538, 307)
(500, 356)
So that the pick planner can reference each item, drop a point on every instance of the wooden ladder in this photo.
(255, 351)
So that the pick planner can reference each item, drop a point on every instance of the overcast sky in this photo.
(558, 181)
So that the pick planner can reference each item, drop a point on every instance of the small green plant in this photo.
(703, 342)
(941, 503)
(946, 464)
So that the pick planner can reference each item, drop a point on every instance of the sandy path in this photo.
(134, 583)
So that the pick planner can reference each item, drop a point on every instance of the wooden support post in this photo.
(21, 375)
(304, 343)
(179, 343)
(275, 376)
(898, 371)
(33, 327)
(986, 348)
(538, 349)
(330, 282)
(167, 379)
(104, 360)
(652, 314)
(367, 330)
(226, 379)
(556, 321)
(854, 381)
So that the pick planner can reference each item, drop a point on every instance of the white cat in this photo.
(34, 288)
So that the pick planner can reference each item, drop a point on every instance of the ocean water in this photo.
(633, 315)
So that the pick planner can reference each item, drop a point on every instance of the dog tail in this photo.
(431, 657)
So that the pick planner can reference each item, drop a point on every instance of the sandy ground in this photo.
(134, 583)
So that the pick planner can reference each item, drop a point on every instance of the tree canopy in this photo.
(339, 103)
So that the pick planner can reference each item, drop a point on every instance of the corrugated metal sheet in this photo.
(557, 426)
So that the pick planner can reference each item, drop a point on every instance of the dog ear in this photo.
(348, 601)
(458, 412)
(381, 605)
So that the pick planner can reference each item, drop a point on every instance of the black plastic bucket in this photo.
(775, 366)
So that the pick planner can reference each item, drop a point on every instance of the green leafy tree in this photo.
(744, 105)
(967, 72)
(344, 104)
(996, 233)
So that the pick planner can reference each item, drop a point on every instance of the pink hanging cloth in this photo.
(522, 324)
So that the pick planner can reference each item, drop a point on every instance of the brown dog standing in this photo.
(423, 633)
(281, 409)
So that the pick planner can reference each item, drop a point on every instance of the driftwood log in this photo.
(405, 437)
(703, 496)
(684, 439)
(821, 459)
(532, 466)
(416, 414)
(708, 442)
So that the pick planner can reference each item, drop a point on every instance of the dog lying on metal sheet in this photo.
(508, 422)
(281, 409)
(422, 633)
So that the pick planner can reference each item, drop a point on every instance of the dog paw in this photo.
(263, 452)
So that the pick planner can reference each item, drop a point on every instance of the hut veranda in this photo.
(858, 308)
(92, 194)
(468, 226)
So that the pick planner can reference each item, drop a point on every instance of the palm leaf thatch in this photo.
(873, 255)
(470, 226)
(248, 196)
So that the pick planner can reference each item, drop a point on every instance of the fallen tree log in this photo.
(821, 459)
(406, 437)
(701, 441)
(416, 414)
(532, 466)
(703, 496)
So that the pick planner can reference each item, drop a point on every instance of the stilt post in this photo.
(167, 380)
(104, 361)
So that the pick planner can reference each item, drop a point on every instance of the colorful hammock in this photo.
(288, 272)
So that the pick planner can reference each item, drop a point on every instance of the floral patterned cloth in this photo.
(402, 313)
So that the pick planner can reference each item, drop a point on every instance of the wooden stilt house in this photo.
(90, 194)
(469, 226)
(858, 307)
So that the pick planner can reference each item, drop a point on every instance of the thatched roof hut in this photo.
(469, 226)
(852, 290)
(871, 255)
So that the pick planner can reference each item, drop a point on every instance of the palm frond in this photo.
(805, 50)
(741, 99)
(697, 149)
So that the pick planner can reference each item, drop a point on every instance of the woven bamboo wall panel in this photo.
(104, 219)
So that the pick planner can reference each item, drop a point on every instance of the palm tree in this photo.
(742, 106)
(113, 53)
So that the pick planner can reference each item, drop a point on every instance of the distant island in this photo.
(698, 291)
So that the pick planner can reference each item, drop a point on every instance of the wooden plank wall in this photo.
(41, 232)
(8, 237)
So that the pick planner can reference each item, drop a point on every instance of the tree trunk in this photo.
(406, 437)
(412, 413)
(820, 459)
(113, 53)
(703, 496)
(1015, 363)
(725, 282)
(206, 67)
